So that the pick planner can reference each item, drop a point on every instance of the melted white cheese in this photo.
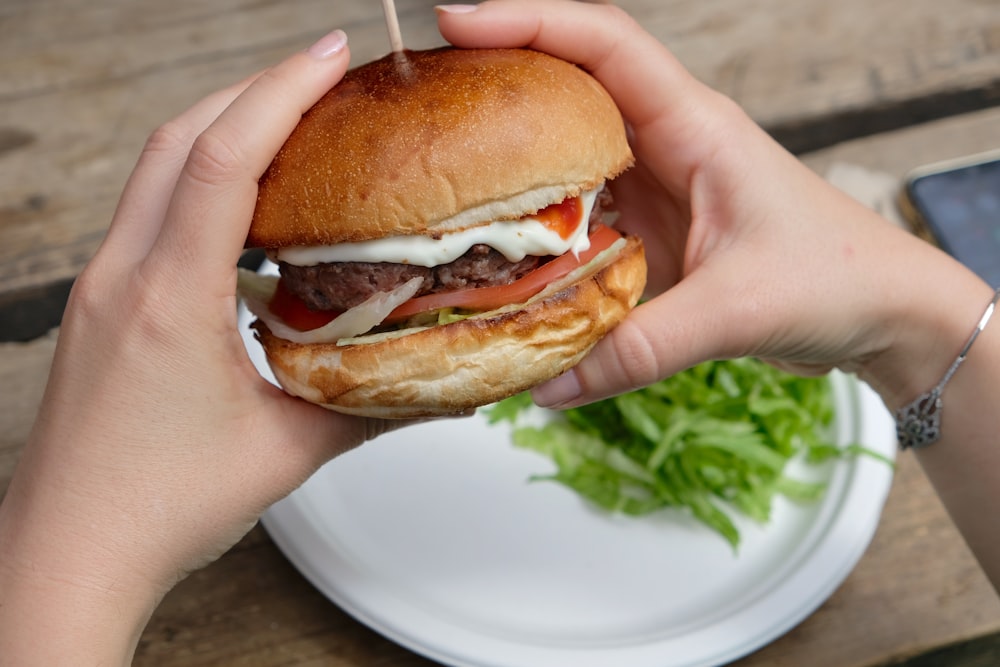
(514, 239)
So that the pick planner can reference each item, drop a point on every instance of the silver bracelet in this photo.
(919, 423)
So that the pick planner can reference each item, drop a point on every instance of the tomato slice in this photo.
(522, 289)
(298, 315)
(295, 313)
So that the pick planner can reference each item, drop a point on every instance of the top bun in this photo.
(422, 142)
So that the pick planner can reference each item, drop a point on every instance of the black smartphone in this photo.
(956, 205)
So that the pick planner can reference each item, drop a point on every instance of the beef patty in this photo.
(341, 285)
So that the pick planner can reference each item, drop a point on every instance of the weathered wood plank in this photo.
(252, 608)
(83, 84)
(895, 153)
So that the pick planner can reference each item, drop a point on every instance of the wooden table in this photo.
(846, 83)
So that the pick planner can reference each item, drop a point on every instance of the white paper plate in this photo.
(434, 537)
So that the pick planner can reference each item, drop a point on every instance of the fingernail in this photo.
(557, 392)
(329, 45)
(456, 9)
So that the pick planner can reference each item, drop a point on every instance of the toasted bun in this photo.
(426, 141)
(455, 367)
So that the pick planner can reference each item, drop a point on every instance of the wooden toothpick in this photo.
(392, 23)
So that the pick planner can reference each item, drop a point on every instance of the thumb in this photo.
(310, 436)
(676, 330)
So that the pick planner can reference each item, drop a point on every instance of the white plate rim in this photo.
(299, 534)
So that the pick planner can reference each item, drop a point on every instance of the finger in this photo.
(331, 433)
(648, 211)
(144, 200)
(308, 436)
(210, 212)
(601, 38)
(669, 112)
(684, 326)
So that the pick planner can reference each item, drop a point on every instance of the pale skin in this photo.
(757, 256)
(157, 446)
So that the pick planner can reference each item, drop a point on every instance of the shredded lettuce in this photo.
(714, 439)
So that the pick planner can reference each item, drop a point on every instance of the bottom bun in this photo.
(452, 368)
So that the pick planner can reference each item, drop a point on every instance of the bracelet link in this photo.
(918, 424)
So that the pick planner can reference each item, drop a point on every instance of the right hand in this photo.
(750, 253)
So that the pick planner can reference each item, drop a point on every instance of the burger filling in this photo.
(343, 285)
(487, 267)
(339, 285)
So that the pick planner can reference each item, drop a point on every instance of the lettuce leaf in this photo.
(713, 440)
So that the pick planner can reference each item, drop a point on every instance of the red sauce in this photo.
(562, 218)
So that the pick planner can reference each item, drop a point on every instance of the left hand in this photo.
(158, 445)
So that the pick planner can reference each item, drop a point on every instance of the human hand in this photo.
(158, 445)
(750, 253)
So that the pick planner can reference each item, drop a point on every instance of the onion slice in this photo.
(256, 291)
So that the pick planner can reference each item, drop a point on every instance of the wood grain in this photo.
(916, 589)
(83, 84)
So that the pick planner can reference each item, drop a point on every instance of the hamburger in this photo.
(438, 220)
